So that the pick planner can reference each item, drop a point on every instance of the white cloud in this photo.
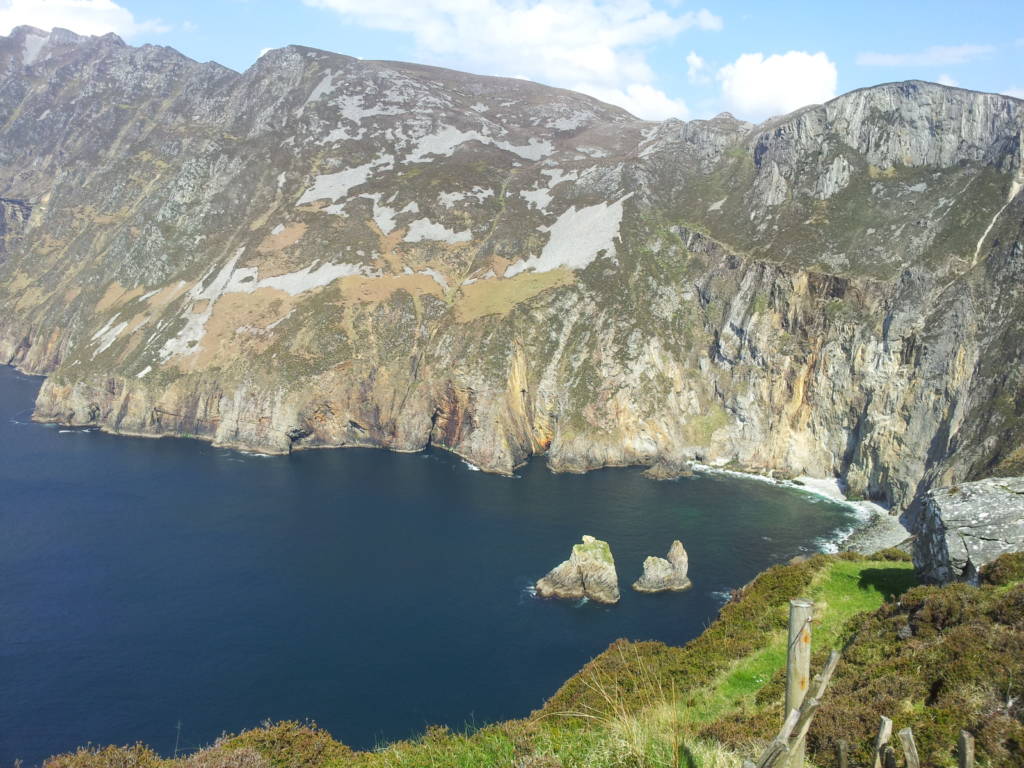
(756, 87)
(641, 100)
(696, 69)
(935, 56)
(945, 79)
(86, 17)
(599, 43)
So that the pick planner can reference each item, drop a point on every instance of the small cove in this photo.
(152, 582)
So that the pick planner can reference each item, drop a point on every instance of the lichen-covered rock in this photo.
(589, 572)
(963, 527)
(664, 575)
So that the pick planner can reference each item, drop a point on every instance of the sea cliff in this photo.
(323, 251)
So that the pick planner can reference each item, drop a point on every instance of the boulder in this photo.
(663, 575)
(589, 572)
(966, 526)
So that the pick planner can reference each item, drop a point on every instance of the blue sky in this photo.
(657, 59)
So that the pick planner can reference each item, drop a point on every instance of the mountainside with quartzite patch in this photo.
(323, 251)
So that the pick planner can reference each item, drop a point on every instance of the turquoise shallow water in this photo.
(147, 582)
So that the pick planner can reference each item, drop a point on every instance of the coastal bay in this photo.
(149, 582)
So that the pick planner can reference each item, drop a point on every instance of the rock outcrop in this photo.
(963, 527)
(324, 251)
(664, 575)
(589, 572)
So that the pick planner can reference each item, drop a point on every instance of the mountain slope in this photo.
(324, 251)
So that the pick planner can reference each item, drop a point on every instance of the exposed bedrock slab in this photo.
(963, 527)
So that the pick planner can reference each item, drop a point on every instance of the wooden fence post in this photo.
(965, 750)
(884, 734)
(798, 666)
(843, 750)
(909, 748)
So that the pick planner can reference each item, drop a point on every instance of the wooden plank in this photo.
(787, 727)
(798, 666)
(774, 755)
(825, 677)
(807, 713)
(780, 745)
(909, 748)
(884, 734)
(965, 750)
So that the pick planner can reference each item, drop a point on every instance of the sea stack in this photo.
(589, 572)
(661, 575)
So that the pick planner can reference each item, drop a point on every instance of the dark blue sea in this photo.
(147, 583)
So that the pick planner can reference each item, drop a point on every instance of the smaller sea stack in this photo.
(661, 575)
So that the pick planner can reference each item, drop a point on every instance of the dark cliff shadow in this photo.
(890, 582)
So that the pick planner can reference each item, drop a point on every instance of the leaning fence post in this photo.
(965, 750)
(884, 733)
(798, 666)
(909, 748)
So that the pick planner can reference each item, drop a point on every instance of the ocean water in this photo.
(147, 583)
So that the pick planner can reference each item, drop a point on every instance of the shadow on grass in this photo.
(890, 582)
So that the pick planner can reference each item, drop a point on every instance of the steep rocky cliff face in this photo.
(323, 251)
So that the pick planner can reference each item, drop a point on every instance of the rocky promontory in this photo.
(665, 575)
(589, 572)
(963, 527)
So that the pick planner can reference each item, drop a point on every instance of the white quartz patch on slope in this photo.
(323, 88)
(33, 45)
(425, 229)
(444, 142)
(448, 199)
(576, 238)
(309, 278)
(384, 216)
(108, 334)
(335, 185)
(245, 280)
(541, 197)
